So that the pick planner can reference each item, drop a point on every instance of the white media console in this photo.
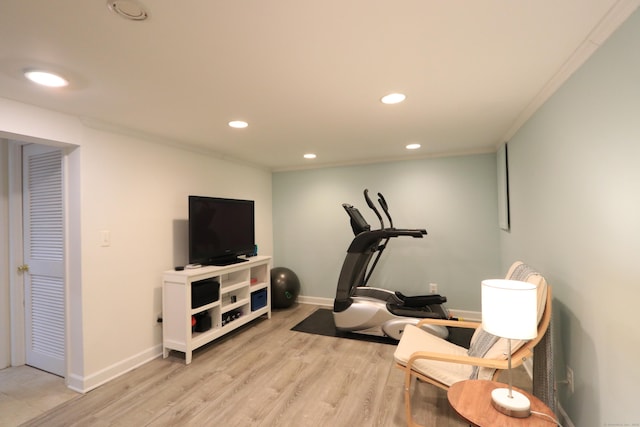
(244, 294)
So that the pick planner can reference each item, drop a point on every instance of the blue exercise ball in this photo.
(285, 287)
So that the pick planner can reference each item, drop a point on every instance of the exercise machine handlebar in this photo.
(385, 208)
(373, 207)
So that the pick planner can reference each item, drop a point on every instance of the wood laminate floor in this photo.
(264, 374)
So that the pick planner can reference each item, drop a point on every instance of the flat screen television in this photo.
(220, 230)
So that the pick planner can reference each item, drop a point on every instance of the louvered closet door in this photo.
(44, 254)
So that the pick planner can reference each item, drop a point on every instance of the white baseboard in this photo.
(325, 302)
(85, 384)
(74, 382)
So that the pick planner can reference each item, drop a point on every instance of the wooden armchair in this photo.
(441, 363)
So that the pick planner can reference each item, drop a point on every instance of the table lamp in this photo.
(510, 310)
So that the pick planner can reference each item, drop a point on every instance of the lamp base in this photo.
(517, 406)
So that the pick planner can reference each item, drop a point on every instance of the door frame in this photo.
(16, 255)
(72, 254)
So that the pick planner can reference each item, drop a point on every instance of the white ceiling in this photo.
(306, 75)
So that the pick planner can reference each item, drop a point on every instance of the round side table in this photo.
(471, 399)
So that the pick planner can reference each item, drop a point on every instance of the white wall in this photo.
(575, 204)
(137, 189)
(453, 198)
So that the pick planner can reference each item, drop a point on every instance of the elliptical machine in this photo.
(376, 311)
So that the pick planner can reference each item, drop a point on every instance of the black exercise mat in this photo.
(320, 322)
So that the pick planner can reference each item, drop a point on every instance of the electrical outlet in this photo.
(570, 383)
(433, 288)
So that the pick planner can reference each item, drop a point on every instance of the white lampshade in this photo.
(510, 308)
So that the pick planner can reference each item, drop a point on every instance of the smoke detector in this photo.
(129, 9)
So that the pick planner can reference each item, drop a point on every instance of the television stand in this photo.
(233, 296)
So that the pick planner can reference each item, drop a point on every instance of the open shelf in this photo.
(241, 287)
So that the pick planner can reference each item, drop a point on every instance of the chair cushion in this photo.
(415, 339)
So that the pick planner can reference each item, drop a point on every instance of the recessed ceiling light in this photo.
(45, 78)
(413, 146)
(393, 98)
(309, 156)
(238, 124)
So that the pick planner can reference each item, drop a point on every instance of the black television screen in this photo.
(220, 230)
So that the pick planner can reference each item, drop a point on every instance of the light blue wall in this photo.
(454, 198)
(575, 205)
(574, 179)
